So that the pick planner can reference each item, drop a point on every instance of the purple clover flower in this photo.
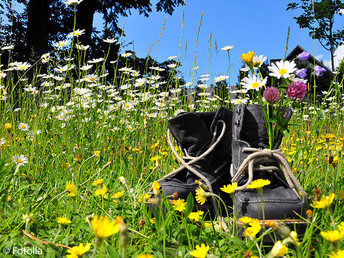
(302, 73)
(303, 56)
(296, 90)
(272, 95)
(319, 71)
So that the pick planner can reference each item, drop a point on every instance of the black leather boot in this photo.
(205, 140)
(284, 197)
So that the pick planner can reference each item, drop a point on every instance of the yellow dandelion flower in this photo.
(118, 195)
(200, 251)
(96, 153)
(179, 205)
(78, 251)
(144, 197)
(245, 220)
(102, 191)
(145, 256)
(63, 220)
(196, 216)
(201, 195)
(8, 126)
(341, 226)
(253, 229)
(324, 202)
(71, 188)
(248, 58)
(293, 235)
(152, 221)
(259, 184)
(156, 188)
(278, 249)
(97, 182)
(207, 224)
(332, 236)
(229, 188)
(338, 254)
(103, 227)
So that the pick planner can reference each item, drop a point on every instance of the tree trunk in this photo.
(37, 29)
(84, 19)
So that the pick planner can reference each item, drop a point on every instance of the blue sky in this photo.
(251, 25)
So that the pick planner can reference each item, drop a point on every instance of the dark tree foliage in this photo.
(46, 21)
(319, 18)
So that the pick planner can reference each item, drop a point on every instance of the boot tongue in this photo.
(191, 132)
(254, 129)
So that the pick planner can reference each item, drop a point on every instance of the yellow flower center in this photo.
(22, 67)
(282, 71)
(255, 85)
(20, 160)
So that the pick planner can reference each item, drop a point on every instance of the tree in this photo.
(318, 18)
(50, 20)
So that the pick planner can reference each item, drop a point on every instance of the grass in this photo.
(75, 127)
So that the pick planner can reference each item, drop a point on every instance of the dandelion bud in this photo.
(278, 249)
(8, 126)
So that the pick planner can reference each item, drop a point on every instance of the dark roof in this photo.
(293, 56)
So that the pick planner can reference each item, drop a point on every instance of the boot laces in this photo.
(186, 162)
(259, 156)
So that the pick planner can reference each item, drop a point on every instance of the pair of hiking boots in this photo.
(228, 146)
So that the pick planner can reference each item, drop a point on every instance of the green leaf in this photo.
(112, 252)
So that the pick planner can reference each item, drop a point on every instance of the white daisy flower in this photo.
(20, 160)
(253, 82)
(23, 126)
(282, 69)
(227, 48)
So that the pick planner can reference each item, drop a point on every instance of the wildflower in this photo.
(156, 187)
(278, 249)
(253, 82)
(78, 251)
(248, 58)
(253, 229)
(339, 253)
(97, 182)
(28, 218)
(303, 56)
(76, 33)
(71, 188)
(22, 66)
(103, 227)
(144, 197)
(258, 60)
(324, 202)
(272, 95)
(145, 256)
(221, 78)
(152, 220)
(293, 236)
(282, 69)
(102, 191)
(296, 90)
(179, 205)
(229, 188)
(332, 236)
(245, 219)
(2, 141)
(302, 73)
(72, 2)
(122, 179)
(196, 216)
(110, 41)
(20, 160)
(96, 153)
(259, 184)
(201, 195)
(126, 54)
(227, 48)
(63, 220)
(8, 126)
(309, 214)
(319, 71)
(118, 195)
(61, 44)
(23, 126)
(200, 251)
